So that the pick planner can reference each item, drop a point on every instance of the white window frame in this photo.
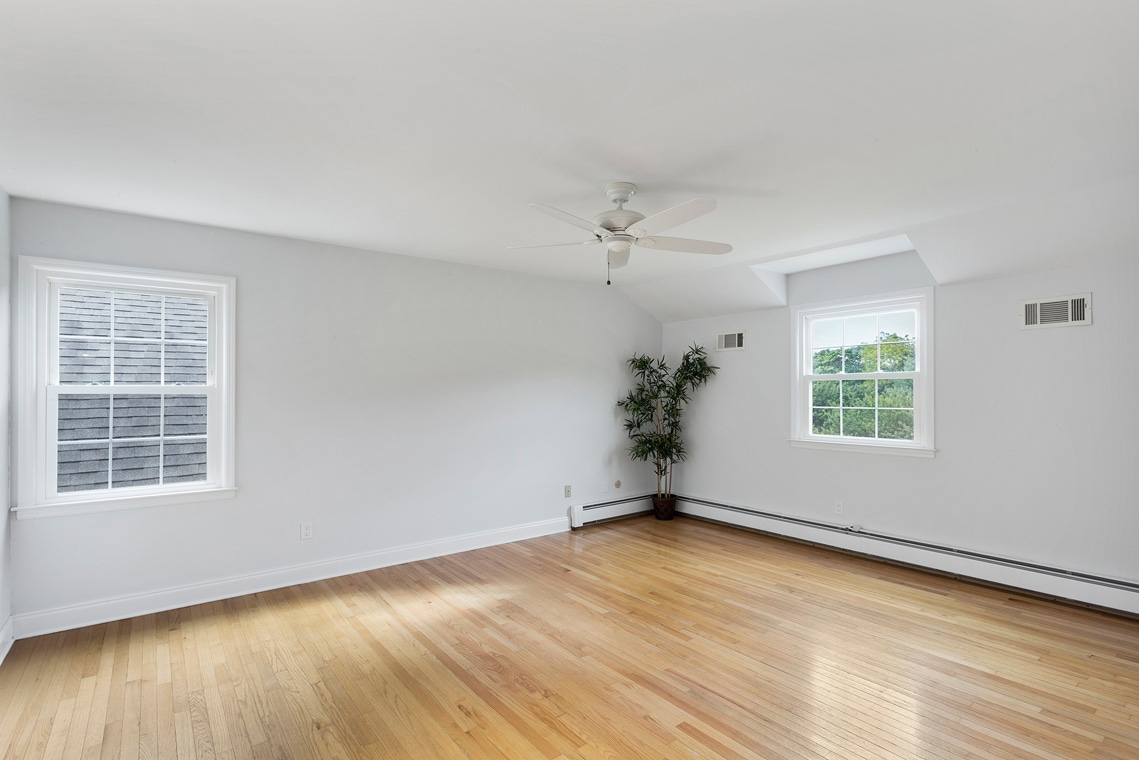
(35, 415)
(802, 316)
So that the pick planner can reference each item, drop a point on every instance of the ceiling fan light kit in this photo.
(620, 229)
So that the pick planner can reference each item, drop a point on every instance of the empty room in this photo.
(569, 380)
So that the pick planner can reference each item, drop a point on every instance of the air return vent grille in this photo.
(1056, 312)
(730, 341)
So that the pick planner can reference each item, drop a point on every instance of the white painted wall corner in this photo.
(7, 638)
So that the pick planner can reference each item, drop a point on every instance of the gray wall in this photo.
(5, 519)
(1035, 429)
(391, 401)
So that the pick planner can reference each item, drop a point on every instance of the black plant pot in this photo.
(664, 507)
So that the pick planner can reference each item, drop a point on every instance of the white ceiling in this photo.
(998, 135)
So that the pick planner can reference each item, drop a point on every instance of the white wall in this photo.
(1036, 430)
(391, 401)
(5, 518)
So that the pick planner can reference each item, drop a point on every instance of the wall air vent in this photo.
(1056, 312)
(730, 341)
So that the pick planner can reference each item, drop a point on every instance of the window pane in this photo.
(858, 330)
(134, 464)
(138, 315)
(858, 423)
(82, 466)
(84, 312)
(186, 318)
(899, 357)
(84, 362)
(897, 424)
(824, 393)
(900, 325)
(825, 421)
(826, 332)
(858, 393)
(84, 418)
(137, 363)
(896, 394)
(184, 461)
(826, 362)
(185, 415)
(137, 416)
(860, 359)
(185, 364)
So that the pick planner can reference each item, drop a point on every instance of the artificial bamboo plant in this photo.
(654, 408)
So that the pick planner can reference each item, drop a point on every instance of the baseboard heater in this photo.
(1088, 588)
(584, 514)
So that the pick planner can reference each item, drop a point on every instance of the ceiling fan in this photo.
(620, 228)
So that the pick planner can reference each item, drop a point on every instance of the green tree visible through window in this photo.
(865, 408)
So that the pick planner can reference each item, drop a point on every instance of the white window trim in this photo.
(31, 411)
(923, 443)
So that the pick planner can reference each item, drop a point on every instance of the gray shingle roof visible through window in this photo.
(137, 416)
(140, 349)
(125, 338)
(186, 318)
(138, 315)
(84, 418)
(134, 464)
(185, 415)
(173, 450)
(185, 364)
(84, 312)
(82, 466)
(183, 461)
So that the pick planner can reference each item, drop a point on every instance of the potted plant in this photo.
(653, 412)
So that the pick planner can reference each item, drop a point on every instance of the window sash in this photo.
(805, 317)
(38, 390)
(52, 442)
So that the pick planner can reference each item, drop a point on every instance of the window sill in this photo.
(116, 504)
(865, 448)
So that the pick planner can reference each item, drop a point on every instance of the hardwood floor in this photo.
(634, 639)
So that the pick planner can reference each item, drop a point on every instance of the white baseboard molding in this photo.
(40, 622)
(583, 514)
(1111, 593)
(7, 638)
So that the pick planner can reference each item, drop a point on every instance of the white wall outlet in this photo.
(569, 490)
(838, 506)
(605, 486)
(306, 531)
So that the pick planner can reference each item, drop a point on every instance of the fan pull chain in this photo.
(607, 282)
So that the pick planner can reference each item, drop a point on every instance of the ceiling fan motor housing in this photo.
(617, 220)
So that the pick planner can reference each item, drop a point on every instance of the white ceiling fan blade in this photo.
(595, 241)
(684, 245)
(576, 221)
(673, 216)
(618, 259)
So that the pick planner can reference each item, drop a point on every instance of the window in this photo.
(125, 391)
(864, 374)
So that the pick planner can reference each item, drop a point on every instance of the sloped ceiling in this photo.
(998, 135)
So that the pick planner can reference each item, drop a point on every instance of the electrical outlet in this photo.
(838, 506)
(306, 531)
(605, 487)
(569, 490)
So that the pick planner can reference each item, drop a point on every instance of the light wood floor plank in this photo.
(631, 639)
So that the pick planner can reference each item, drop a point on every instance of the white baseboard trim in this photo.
(1110, 593)
(23, 625)
(583, 514)
(7, 638)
